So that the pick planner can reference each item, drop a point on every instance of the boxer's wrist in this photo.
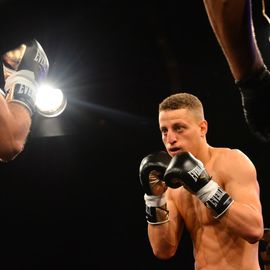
(215, 198)
(156, 209)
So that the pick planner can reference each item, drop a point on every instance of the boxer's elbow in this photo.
(255, 234)
(164, 253)
(255, 237)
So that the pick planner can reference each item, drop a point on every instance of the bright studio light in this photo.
(50, 102)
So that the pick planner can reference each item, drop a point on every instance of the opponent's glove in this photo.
(24, 69)
(255, 93)
(184, 169)
(151, 173)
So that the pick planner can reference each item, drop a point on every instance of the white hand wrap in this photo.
(156, 209)
(208, 191)
(215, 198)
(21, 87)
(2, 92)
(155, 201)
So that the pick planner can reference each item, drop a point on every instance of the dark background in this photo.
(73, 197)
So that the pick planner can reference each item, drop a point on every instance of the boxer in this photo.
(212, 191)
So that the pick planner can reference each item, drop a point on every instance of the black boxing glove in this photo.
(24, 69)
(184, 169)
(151, 171)
(255, 93)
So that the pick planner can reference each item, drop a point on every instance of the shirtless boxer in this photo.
(212, 191)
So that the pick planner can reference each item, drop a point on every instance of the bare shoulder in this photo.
(229, 154)
(224, 158)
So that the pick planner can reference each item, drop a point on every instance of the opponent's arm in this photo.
(24, 68)
(164, 226)
(237, 205)
(232, 25)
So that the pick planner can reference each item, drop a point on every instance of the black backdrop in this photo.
(73, 198)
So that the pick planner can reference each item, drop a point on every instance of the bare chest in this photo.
(193, 211)
(195, 214)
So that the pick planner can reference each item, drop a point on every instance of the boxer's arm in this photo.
(24, 67)
(164, 221)
(232, 25)
(244, 217)
(164, 238)
(15, 123)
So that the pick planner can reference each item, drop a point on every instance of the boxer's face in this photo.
(181, 131)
